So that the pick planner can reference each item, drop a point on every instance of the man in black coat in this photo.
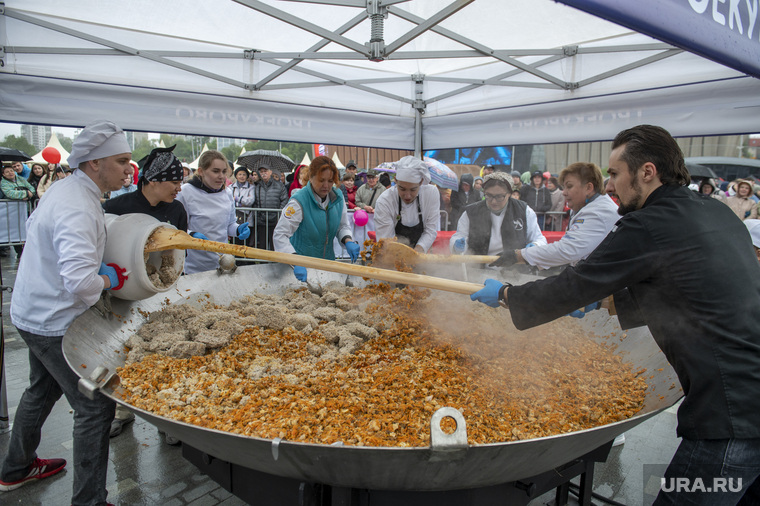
(537, 196)
(462, 198)
(684, 265)
(351, 170)
(269, 194)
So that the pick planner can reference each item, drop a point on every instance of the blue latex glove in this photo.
(243, 232)
(489, 295)
(459, 245)
(353, 250)
(107, 270)
(530, 245)
(580, 313)
(198, 235)
(300, 273)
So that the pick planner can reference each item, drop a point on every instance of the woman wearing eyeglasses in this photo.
(498, 223)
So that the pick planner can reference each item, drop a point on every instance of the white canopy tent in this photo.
(194, 164)
(53, 142)
(337, 161)
(403, 74)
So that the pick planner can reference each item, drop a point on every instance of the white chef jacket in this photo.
(386, 211)
(57, 277)
(290, 220)
(585, 231)
(496, 245)
(211, 214)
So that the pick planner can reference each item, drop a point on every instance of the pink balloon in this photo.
(360, 217)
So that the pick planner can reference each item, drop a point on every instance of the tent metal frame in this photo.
(469, 94)
(290, 61)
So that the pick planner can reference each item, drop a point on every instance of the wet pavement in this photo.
(144, 470)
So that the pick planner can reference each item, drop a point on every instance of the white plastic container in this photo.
(125, 246)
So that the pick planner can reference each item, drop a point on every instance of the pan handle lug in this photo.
(452, 445)
(276, 448)
(97, 380)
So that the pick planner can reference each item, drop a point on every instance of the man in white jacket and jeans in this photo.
(61, 275)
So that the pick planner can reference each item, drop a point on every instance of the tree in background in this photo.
(65, 142)
(142, 149)
(231, 152)
(188, 147)
(20, 143)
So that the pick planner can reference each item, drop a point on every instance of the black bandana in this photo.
(162, 165)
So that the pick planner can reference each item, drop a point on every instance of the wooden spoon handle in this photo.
(460, 259)
(165, 238)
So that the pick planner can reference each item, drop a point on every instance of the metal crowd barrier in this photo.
(13, 215)
(556, 224)
(360, 233)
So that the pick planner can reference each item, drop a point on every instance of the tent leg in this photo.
(417, 133)
(419, 110)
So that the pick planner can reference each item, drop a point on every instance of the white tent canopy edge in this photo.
(719, 108)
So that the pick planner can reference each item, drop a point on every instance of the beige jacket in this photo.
(744, 208)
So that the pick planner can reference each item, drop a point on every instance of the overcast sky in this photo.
(15, 129)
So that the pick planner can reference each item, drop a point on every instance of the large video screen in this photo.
(499, 155)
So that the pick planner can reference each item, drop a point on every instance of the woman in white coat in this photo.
(592, 216)
(210, 210)
(410, 210)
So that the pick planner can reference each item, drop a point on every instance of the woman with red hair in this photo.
(314, 217)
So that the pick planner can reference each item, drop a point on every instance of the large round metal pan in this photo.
(93, 346)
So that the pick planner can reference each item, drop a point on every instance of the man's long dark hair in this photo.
(648, 143)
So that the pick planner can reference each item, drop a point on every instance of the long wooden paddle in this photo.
(164, 238)
(390, 253)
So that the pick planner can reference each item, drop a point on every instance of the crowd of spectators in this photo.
(260, 192)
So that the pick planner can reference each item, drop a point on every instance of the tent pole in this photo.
(417, 133)
(419, 109)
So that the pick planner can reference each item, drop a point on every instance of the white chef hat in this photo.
(99, 139)
(412, 170)
(754, 231)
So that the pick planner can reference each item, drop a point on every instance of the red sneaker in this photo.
(41, 468)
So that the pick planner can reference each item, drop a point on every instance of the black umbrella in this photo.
(697, 170)
(13, 155)
(275, 160)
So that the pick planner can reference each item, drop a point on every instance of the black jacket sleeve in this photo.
(629, 314)
(624, 258)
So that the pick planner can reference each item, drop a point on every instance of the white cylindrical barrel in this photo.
(147, 274)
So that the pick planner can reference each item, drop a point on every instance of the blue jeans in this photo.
(50, 377)
(730, 465)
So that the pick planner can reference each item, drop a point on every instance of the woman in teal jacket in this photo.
(314, 216)
(16, 187)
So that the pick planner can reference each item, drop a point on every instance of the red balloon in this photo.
(51, 155)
